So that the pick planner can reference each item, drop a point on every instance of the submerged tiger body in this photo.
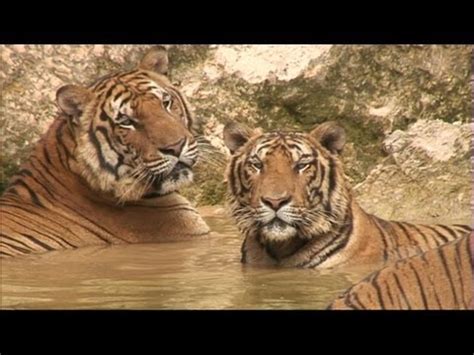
(290, 199)
(440, 278)
(108, 169)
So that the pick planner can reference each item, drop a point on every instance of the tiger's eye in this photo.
(257, 165)
(167, 102)
(126, 122)
(302, 166)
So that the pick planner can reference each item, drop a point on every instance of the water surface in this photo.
(200, 274)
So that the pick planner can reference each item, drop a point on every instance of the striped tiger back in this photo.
(441, 278)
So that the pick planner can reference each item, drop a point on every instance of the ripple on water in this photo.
(201, 274)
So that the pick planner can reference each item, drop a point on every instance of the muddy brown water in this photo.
(200, 274)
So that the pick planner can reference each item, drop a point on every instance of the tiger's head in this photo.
(287, 185)
(132, 131)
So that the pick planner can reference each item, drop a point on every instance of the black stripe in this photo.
(382, 236)
(402, 291)
(443, 237)
(103, 163)
(449, 230)
(40, 182)
(376, 286)
(15, 240)
(457, 260)
(45, 168)
(357, 299)
(186, 108)
(46, 154)
(105, 134)
(463, 226)
(82, 225)
(448, 274)
(17, 248)
(58, 151)
(264, 144)
(24, 172)
(392, 233)
(332, 176)
(231, 176)
(297, 147)
(38, 232)
(100, 83)
(12, 190)
(103, 115)
(420, 285)
(109, 92)
(36, 241)
(119, 93)
(423, 235)
(243, 258)
(389, 292)
(405, 231)
(460, 257)
(322, 174)
(423, 257)
(131, 73)
(332, 246)
(348, 302)
(126, 100)
(59, 137)
(51, 221)
(33, 196)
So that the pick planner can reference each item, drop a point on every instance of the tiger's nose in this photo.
(276, 203)
(173, 149)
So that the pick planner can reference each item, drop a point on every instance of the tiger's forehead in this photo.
(119, 91)
(136, 81)
(293, 144)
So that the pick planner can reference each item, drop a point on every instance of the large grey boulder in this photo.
(397, 103)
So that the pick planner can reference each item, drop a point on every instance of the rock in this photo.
(375, 92)
(439, 140)
(255, 64)
(426, 178)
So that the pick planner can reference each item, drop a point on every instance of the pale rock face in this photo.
(425, 178)
(439, 140)
(404, 108)
(256, 63)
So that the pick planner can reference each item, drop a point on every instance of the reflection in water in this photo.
(198, 274)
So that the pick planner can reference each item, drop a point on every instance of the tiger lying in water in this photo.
(107, 169)
(441, 278)
(291, 201)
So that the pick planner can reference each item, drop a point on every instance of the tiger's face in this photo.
(286, 185)
(133, 131)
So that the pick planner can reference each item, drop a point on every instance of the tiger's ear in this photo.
(156, 59)
(331, 136)
(72, 99)
(236, 135)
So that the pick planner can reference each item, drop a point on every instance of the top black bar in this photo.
(220, 37)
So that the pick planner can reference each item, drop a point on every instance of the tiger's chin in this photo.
(179, 177)
(277, 231)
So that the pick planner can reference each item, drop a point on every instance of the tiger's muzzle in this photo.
(174, 169)
(276, 217)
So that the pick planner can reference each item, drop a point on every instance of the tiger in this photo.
(109, 168)
(440, 278)
(290, 199)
